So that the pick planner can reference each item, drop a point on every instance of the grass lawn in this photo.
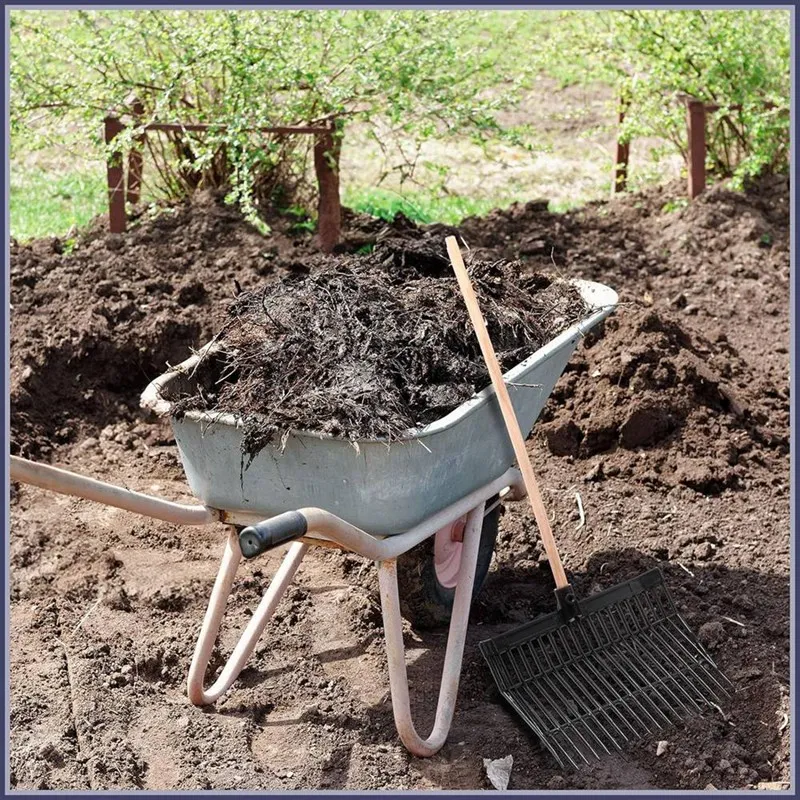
(44, 204)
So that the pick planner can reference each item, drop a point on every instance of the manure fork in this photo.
(588, 677)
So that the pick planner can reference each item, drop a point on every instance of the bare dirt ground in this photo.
(672, 425)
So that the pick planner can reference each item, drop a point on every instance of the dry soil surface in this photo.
(671, 424)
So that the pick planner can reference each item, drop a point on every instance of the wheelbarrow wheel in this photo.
(427, 574)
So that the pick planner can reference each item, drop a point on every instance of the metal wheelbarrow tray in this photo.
(381, 488)
(377, 500)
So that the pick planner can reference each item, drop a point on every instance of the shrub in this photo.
(245, 69)
(736, 59)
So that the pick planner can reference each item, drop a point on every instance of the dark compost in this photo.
(370, 346)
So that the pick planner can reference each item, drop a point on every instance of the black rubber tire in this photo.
(424, 602)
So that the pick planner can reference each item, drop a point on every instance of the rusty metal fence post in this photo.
(623, 155)
(327, 150)
(116, 178)
(696, 132)
(696, 111)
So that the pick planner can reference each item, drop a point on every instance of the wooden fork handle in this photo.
(512, 425)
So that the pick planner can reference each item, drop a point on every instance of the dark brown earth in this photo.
(371, 345)
(671, 424)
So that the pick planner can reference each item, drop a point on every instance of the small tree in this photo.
(737, 60)
(245, 69)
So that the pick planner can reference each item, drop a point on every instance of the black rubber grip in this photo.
(257, 539)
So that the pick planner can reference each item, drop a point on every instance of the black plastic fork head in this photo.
(595, 676)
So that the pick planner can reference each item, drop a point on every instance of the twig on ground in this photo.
(84, 618)
(735, 622)
(580, 511)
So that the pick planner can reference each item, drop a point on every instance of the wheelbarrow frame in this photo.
(324, 530)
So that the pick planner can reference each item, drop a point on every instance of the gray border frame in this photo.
(793, 299)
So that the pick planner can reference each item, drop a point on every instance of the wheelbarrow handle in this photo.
(257, 539)
(71, 483)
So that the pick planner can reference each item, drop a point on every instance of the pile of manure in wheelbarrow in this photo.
(369, 346)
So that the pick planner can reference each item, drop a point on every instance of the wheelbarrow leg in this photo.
(395, 651)
(216, 609)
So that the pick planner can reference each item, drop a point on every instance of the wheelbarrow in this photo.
(441, 482)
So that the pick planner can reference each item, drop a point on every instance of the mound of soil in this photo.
(721, 261)
(370, 346)
(687, 384)
(90, 327)
(665, 406)
(684, 391)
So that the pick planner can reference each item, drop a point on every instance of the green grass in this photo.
(419, 206)
(43, 204)
(510, 33)
(426, 208)
(562, 206)
(515, 38)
